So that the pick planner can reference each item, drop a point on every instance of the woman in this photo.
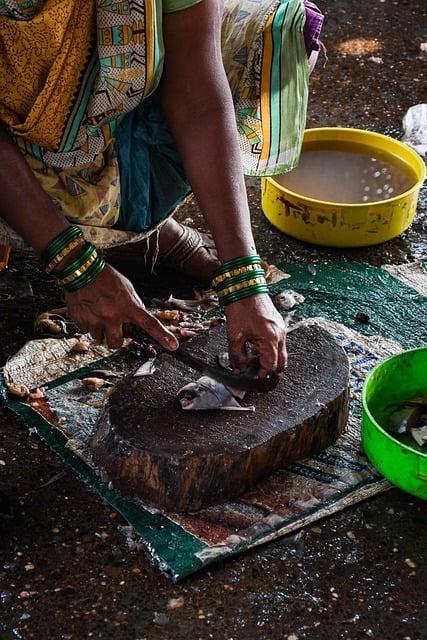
(86, 90)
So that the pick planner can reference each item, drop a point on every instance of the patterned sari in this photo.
(78, 83)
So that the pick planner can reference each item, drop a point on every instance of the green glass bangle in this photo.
(236, 263)
(244, 293)
(247, 293)
(243, 277)
(246, 259)
(78, 262)
(243, 261)
(262, 285)
(87, 277)
(60, 242)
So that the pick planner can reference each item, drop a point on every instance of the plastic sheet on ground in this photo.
(292, 497)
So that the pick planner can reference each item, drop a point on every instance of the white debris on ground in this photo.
(288, 299)
(415, 128)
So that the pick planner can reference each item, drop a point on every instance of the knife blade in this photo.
(251, 384)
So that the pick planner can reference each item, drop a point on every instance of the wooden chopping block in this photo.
(177, 460)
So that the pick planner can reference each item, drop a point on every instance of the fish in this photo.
(398, 422)
(411, 417)
(208, 394)
(420, 435)
(417, 424)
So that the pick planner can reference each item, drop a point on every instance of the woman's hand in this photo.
(255, 320)
(106, 304)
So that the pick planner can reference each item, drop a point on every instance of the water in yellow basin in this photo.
(350, 175)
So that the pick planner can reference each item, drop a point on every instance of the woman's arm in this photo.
(23, 204)
(198, 105)
(104, 305)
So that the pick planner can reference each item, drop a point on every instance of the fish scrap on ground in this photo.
(273, 274)
(94, 384)
(186, 325)
(171, 316)
(50, 322)
(21, 391)
(288, 299)
(203, 302)
(208, 299)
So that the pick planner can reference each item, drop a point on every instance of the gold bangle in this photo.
(60, 256)
(235, 272)
(241, 285)
(78, 272)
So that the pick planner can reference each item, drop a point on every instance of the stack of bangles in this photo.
(82, 270)
(239, 278)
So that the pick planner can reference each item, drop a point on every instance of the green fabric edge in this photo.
(395, 309)
(156, 530)
(168, 543)
(173, 6)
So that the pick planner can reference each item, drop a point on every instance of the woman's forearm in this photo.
(23, 203)
(198, 106)
(207, 142)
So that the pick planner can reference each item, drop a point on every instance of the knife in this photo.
(251, 384)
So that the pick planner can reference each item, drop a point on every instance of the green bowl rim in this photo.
(369, 414)
(401, 196)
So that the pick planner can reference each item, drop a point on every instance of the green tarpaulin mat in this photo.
(394, 307)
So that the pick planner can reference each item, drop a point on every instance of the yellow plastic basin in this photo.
(346, 225)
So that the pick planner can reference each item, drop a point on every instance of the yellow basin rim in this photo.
(343, 224)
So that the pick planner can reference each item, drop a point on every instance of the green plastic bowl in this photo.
(393, 382)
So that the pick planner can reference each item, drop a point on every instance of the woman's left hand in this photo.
(255, 320)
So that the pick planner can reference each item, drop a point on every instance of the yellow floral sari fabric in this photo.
(71, 69)
(41, 62)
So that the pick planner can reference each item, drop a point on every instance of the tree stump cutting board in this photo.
(177, 460)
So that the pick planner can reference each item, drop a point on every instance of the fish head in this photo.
(204, 394)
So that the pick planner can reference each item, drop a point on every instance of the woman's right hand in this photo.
(109, 302)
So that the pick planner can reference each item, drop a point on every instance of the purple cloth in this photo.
(313, 27)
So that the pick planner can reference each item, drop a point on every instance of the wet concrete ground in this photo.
(65, 570)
